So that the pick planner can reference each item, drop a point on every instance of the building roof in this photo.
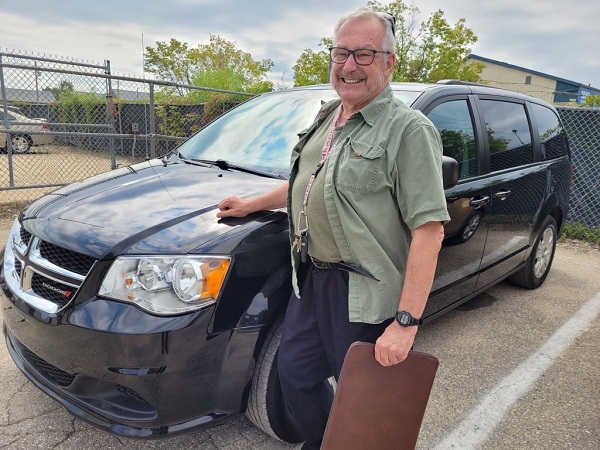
(29, 96)
(533, 72)
(123, 94)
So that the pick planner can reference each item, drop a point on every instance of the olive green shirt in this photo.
(321, 243)
(383, 179)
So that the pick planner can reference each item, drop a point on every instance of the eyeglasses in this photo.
(362, 56)
(391, 19)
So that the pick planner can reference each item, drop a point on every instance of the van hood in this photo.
(148, 208)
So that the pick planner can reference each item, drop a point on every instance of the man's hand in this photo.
(233, 207)
(240, 207)
(393, 345)
(396, 341)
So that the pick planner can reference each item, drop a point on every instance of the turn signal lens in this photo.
(166, 285)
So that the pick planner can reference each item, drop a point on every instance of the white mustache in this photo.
(352, 74)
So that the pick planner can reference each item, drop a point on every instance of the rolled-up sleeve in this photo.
(419, 185)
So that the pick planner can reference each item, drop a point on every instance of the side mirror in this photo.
(449, 172)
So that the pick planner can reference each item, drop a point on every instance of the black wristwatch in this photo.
(405, 319)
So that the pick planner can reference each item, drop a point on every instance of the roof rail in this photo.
(459, 82)
(469, 83)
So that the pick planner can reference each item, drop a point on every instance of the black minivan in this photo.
(129, 302)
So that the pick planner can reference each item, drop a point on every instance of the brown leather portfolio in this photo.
(377, 407)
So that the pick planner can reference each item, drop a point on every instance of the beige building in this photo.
(537, 84)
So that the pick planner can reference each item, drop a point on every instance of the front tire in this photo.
(535, 271)
(266, 407)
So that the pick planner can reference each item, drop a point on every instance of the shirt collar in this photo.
(373, 110)
(370, 113)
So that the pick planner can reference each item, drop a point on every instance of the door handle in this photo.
(501, 195)
(478, 202)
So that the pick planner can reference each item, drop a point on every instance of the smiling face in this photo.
(358, 85)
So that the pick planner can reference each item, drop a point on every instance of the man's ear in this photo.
(391, 62)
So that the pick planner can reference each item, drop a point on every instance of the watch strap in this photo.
(405, 319)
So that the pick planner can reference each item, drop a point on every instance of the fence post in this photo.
(11, 175)
(110, 115)
(152, 123)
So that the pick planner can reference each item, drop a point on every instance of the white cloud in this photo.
(551, 36)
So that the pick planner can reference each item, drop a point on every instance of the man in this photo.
(365, 198)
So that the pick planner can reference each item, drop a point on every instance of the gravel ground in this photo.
(50, 165)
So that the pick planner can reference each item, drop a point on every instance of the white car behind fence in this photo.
(24, 132)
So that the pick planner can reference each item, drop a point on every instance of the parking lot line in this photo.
(473, 431)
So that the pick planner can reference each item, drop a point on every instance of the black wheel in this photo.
(535, 271)
(266, 407)
(21, 143)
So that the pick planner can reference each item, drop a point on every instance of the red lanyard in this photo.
(301, 242)
(324, 154)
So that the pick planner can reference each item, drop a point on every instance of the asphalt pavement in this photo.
(518, 370)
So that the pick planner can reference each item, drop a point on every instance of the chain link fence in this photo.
(583, 128)
(65, 120)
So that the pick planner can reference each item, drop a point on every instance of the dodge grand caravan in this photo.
(129, 302)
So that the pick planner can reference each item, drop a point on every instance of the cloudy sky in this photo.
(557, 37)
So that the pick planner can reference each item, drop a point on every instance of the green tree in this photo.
(427, 52)
(218, 65)
(313, 67)
(591, 101)
(171, 61)
(64, 88)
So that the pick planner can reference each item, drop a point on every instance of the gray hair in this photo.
(389, 40)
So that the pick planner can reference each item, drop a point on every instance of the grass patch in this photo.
(581, 232)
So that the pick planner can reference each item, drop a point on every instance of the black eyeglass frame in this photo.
(353, 53)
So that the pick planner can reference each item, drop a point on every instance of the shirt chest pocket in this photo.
(360, 165)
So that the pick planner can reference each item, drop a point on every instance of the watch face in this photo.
(406, 320)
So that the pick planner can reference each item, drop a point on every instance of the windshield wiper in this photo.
(225, 165)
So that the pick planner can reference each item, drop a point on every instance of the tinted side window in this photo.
(508, 134)
(552, 135)
(453, 121)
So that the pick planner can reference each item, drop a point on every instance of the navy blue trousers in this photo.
(316, 336)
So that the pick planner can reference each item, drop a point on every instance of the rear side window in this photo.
(552, 134)
(508, 134)
(453, 121)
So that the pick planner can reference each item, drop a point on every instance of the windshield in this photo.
(261, 133)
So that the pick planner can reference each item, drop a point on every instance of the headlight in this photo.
(166, 285)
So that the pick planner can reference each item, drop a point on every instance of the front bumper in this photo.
(167, 376)
(132, 385)
(119, 367)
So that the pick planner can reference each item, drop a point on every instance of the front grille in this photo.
(51, 290)
(67, 259)
(57, 375)
(18, 268)
(130, 393)
(45, 275)
(25, 236)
